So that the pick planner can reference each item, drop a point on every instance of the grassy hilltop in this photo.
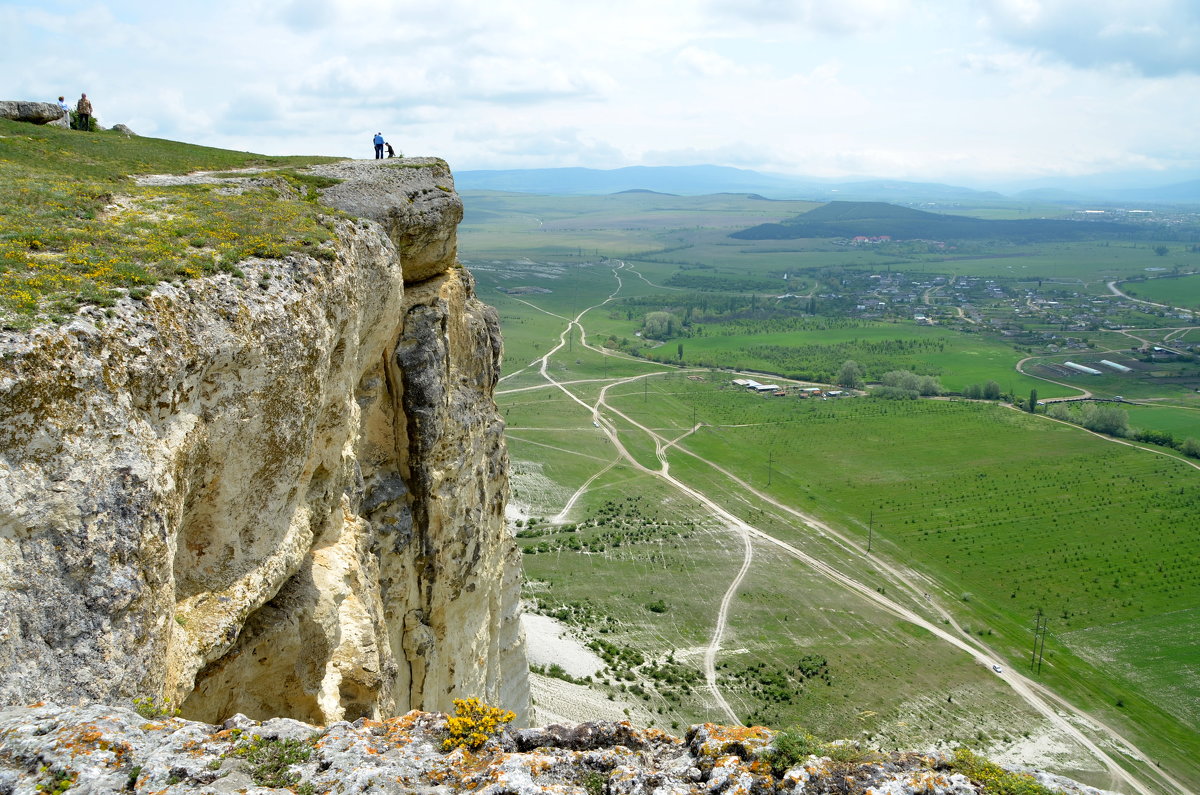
(76, 228)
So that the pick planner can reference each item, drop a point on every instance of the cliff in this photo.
(279, 493)
(108, 750)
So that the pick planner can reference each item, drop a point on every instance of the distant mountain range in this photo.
(698, 180)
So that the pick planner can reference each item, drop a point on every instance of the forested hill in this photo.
(849, 219)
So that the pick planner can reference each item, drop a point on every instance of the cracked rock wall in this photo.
(281, 496)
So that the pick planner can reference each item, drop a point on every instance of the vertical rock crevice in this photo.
(285, 502)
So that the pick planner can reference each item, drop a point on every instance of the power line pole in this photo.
(1037, 631)
(1042, 647)
(770, 461)
(1039, 642)
(870, 531)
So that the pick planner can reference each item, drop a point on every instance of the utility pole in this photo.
(1037, 628)
(770, 461)
(1039, 641)
(870, 531)
(1042, 647)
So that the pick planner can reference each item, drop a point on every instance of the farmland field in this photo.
(977, 516)
(1183, 291)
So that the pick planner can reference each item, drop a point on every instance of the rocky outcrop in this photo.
(32, 112)
(280, 495)
(108, 750)
(412, 198)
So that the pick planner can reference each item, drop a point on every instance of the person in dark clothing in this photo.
(378, 146)
(391, 152)
(83, 110)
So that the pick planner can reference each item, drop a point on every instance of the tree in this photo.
(1105, 419)
(1190, 447)
(1033, 401)
(928, 385)
(1161, 250)
(991, 391)
(679, 352)
(659, 325)
(850, 375)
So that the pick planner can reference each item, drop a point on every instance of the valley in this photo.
(852, 565)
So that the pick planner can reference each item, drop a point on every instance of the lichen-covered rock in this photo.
(100, 749)
(280, 495)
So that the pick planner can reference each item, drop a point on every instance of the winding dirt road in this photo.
(1055, 710)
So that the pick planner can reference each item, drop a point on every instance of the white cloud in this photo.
(894, 88)
(706, 63)
(1151, 37)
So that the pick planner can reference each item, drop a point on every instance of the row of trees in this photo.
(988, 391)
(906, 385)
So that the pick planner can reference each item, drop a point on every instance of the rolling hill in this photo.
(850, 219)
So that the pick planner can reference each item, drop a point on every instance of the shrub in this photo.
(271, 759)
(995, 779)
(791, 747)
(593, 783)
(152, 707)
(473, 724)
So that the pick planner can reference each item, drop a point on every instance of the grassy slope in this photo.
(75, 229)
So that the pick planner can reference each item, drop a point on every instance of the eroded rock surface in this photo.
(280, 495)
(413, 198)
(102, 749)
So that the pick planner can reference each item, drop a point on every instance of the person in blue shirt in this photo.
(378, 146)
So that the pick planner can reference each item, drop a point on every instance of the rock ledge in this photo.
(101, 749)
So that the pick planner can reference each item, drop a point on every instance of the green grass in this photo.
(1157, 656)
(975, 517)
(1005, 512)
(75, 229)
(815, 348)
(1181, 423)
(1174, 291)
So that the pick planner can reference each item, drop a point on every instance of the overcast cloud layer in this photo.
(948, 90)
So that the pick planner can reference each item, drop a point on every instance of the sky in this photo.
(973, 92)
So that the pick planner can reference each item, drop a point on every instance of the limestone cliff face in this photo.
(280, 495)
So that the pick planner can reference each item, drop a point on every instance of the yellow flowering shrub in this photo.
(473, 723)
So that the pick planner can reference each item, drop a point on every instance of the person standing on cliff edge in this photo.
(378, 146)
(83, 109)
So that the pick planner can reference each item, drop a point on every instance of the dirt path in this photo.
(1050, 706)
(1083, 393)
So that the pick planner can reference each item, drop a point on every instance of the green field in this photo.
(994, 513)
(1175, 291)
